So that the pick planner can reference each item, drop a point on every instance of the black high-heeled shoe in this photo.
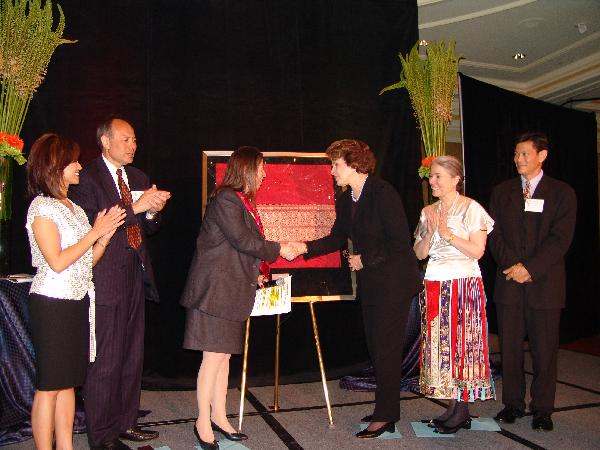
(433, 423)
(390, 427)
(230, 436)
(214, 445)
(443, 429)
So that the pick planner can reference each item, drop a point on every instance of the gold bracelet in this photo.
(449, 240)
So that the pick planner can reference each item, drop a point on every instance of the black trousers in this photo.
(113, 384)
(542, 328)
(385, 326)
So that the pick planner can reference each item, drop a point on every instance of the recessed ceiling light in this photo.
(517, 56)
(581, 27)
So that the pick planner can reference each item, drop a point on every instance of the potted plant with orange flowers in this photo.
(27, 42)
(430, 79)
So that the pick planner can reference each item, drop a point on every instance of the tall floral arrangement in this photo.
(430, 80)
(27, 42)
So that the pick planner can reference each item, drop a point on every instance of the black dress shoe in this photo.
(509, 415)
(229, 436)
(390, 427)
(214, 445)
(367, 419)
(443, 429)
(138, 435)
(542, 423)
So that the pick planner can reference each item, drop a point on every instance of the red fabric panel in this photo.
(289, 185)
(432, 298)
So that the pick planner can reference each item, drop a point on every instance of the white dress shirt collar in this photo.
(532, 183)
(113, 172)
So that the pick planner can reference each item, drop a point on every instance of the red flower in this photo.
(12, 140)
(426, 162)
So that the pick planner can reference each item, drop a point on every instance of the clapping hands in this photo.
(291, 250)
(152, 200)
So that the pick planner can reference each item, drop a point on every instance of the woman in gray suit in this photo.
(231, 258)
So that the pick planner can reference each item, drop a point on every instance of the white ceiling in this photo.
(562, 60)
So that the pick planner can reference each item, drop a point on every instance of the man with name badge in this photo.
(535, 220)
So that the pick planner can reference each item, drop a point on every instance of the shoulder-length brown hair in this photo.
(241, 174)
(48, 157)
(355, 153)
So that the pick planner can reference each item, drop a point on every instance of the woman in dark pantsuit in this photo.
(371, 214)
(231, 259)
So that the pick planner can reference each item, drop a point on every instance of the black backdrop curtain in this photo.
(492, 118)
(193, 75)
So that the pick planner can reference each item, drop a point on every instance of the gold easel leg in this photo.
(244, 372)
(275, 406)
(321, 365)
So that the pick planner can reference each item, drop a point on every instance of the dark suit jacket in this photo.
(96, 191)
(224, 271)
(379, 233)
(538, 240)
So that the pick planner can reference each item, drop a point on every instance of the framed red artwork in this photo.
(296, 202)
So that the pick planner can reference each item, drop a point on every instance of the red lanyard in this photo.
(265, 270)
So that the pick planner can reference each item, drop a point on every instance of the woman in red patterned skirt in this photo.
(452, 232)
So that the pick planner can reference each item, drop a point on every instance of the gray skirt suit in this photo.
(221, 283)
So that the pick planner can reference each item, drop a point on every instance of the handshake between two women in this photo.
(291, 250)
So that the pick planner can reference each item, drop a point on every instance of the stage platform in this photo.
(302, 421)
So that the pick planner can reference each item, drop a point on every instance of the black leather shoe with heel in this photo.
(214, 445)
(390, 427)
(229, 436)
(443, 429)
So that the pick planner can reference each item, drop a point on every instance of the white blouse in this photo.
(446, 262)
(75, 281)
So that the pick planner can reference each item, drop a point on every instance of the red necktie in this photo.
(134, 234)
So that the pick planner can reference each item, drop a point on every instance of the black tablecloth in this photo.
(17, 369)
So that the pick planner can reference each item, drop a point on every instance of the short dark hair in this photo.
(355, 153)
(48, 157)
(537, 138)
(105, 128)
(242, 170)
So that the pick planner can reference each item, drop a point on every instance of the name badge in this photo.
(534, 205)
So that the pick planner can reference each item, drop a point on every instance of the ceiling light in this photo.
(581, 27)
(517, 56)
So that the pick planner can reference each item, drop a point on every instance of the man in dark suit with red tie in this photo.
(535, 220)
(123, 280)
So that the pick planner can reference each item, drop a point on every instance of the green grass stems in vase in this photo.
(430, 81)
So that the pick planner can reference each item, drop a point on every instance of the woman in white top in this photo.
(452, 232)
(64, 248)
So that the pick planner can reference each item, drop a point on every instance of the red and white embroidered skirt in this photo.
(454, 346)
